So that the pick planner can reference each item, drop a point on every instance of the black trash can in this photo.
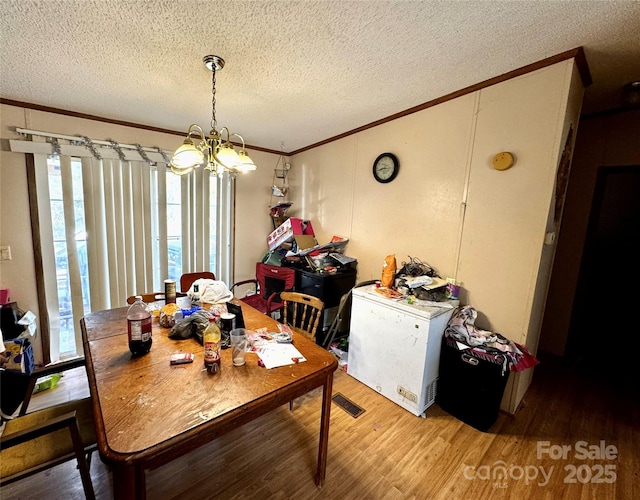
(471, 384)
(13, 387)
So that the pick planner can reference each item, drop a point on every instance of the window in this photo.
(174, 229)
(110, 228)
(67, 330)
(179, 224)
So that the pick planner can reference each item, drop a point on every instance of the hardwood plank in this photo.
(388, 453)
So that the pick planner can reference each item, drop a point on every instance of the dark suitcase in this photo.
(471, 384)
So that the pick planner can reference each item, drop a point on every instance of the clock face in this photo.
(385, 167)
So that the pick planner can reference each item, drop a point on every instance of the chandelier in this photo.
(216, 152)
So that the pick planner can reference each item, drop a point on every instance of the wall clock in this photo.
(385, 167)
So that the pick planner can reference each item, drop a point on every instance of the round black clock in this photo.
(385, 167)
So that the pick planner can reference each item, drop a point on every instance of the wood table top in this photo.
(147, 409)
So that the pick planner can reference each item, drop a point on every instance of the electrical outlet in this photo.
(407, 394)
(5, 253)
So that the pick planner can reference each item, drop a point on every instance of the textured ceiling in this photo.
(297, 72)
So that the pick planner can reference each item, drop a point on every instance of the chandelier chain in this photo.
(214, 122)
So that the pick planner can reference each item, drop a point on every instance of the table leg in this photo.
(324, 431)
(141, 485)
(128, 482)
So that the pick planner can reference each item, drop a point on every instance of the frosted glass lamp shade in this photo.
(246, 163)
(187, 157)
(226, 156)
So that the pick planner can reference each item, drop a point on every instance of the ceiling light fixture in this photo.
(216, 153)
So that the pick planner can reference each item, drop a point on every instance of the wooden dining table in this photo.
(148, 412)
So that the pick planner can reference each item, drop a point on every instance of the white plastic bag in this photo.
(210, 291)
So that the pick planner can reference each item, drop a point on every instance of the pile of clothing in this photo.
(490, 346)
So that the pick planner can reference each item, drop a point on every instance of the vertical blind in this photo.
(122, 219)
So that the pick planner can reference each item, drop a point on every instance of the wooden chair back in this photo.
(20, 386)
(187, 279)
(302, 312)
(146, 297)
(151, 297)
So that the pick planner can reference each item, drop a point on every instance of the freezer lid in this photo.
(427, 311)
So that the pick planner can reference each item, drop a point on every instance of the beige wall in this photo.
(17, 274)
(449, 206)
(447, 194)
(417, 214)
(253, 223)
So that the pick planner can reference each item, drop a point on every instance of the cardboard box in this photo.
(286, 231)
(304, 241)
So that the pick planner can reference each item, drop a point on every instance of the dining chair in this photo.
(39, 440)
(267, 285)
(36, 441)
(16, 388)
(187, 279)
(301, 312)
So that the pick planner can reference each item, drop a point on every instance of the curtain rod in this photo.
(78, 138)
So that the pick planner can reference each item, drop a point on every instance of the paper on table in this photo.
(274, 355)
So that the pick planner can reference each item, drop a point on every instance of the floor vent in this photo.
(349, 406)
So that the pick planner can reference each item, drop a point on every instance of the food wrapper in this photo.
(388, 271)
(168, 315)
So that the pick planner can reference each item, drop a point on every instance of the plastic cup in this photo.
(238, 346)
(454, 290)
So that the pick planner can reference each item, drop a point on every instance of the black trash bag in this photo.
(191, 326)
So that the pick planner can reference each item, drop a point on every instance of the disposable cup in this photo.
(453, 289)
(238, 346)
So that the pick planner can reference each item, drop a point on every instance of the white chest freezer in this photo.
(394, 347)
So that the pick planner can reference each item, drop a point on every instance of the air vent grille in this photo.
(349, 406)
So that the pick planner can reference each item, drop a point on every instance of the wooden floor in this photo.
(388, 453)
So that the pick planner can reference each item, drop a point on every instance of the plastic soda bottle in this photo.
(139, 327)
(195, 298)
(211, 340)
